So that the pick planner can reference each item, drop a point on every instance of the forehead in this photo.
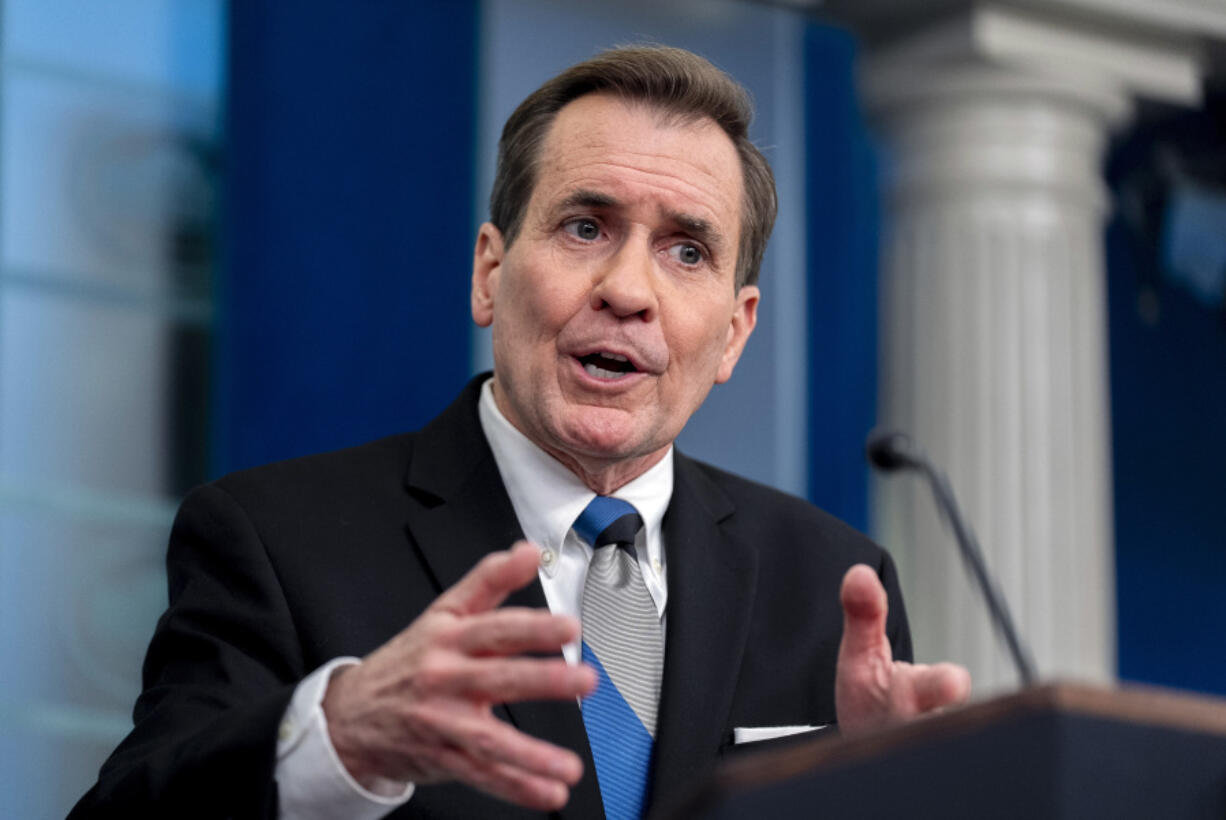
(642, 157)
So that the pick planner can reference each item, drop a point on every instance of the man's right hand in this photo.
(418, 708)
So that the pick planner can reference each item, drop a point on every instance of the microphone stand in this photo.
(890, 451)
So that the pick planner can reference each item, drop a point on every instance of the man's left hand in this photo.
(872, 689)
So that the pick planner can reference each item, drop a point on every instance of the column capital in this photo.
(1199, 21)
(1102, 53)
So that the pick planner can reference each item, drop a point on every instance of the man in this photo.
(618, 273)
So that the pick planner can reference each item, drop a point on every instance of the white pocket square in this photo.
(756, 734)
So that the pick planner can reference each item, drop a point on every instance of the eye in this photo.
(687, 253)
(586, 229)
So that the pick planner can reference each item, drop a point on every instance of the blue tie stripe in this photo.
(621, 746)
(599, 514)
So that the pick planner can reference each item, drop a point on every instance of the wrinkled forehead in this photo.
(601, 140)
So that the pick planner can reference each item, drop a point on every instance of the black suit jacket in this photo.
(276, 570)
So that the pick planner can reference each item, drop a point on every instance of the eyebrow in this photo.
(697, 227)
(584, 198)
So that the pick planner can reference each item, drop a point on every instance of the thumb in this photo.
(864, 609)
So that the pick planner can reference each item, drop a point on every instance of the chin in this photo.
(606, 433)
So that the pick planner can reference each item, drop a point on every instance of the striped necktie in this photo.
(623, 640)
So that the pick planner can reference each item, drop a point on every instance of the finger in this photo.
(512, 631)
(507, 782)
(495, 577)
(940, 685)
(864, 609)
(483, 738)
(507, 680)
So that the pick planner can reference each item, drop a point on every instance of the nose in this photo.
(625, 283)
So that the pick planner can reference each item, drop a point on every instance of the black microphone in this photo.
(890, 451)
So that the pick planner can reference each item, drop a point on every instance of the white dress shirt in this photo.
(547, 498)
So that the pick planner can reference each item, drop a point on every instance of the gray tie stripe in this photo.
(621, 625)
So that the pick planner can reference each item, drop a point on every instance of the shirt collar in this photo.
(548, 497)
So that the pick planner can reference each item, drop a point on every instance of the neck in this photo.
(606, 477)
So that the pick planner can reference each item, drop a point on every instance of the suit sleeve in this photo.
(896, 627)
(218, 676)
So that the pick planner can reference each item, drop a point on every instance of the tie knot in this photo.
(608, 521)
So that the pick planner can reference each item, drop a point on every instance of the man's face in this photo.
(615, 310)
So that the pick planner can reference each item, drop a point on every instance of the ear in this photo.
(744, 319)
(487, 264)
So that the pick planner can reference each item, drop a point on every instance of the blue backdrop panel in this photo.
(1168, 401)
(842, 285)
(343, 309)
(1168, 394)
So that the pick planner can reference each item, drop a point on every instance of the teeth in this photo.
(601, 373)
(617, 357)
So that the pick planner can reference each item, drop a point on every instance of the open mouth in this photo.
(609, 366)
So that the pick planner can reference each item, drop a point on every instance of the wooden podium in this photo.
(1056, 751)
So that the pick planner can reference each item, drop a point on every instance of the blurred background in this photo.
(238, 232)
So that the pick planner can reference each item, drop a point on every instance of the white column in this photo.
(993, 325)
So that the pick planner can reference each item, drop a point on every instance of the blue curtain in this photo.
(842, 225)
(348, 222)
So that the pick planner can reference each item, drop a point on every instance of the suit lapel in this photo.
(461, 512)
(711, 582)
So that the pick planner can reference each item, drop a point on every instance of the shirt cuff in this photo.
(312, 783)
